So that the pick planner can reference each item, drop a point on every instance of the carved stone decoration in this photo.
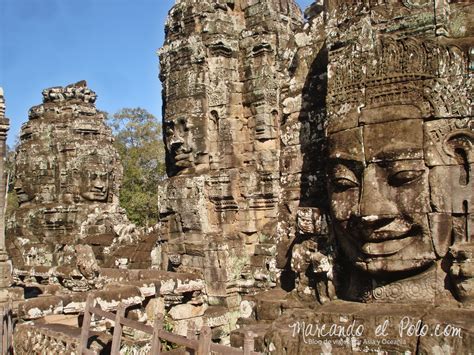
(337, 151)
(221, 69)
(319, 171)
(376, 139)
(68, 176)
(400, 152)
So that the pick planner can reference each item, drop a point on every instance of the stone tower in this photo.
(222, 67)
(68, 176)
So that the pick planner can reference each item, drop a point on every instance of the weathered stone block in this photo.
(186, 311)
(382, 141)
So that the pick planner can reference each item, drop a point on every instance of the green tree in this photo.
(138, 139)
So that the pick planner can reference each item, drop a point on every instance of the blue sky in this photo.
(110, 43)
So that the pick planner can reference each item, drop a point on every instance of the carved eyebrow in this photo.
(349, 163)
(343, 155)
(394, 153)
(384, 155)
(221, 49)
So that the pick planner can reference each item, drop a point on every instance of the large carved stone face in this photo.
(24, 189)
(185, 140)
(34, 177)
(94, 181)
(379, 191)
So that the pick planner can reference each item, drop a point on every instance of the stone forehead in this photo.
(388, 141)
(95, 158)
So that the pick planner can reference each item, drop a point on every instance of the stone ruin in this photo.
(328, 158)
(221, 69)
(68, 176)
(5, 265)
(69, 237)
(320, 174)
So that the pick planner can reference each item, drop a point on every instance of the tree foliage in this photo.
(138, 139)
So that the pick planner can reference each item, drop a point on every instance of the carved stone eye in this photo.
(183, 124)
(343, 178)
(404, 177)
(343, 183)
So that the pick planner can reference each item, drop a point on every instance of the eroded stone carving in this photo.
(221, 68)
(68, 176)
(399, 145)
(5, 265)
(331, 157)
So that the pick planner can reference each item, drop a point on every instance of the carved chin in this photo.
(385, 265)
(94, 196)
(464, 289)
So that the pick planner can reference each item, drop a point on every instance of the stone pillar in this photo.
(5, 266)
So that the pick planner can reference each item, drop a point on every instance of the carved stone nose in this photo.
(176, 141)
(376, 198)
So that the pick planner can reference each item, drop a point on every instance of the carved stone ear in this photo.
(459, 146)
(448, 142)
(75, 173)
(441, 225)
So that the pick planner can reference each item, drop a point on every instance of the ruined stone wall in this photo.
(391, 112)
(222, 68)
(256, 101)
(68, 177)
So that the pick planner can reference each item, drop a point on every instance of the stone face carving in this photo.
(267, 129)
(332, 158)
(68, 176)
(461, 271)
(94, 177)
(221, 66)
(400, 151)
(185, 143)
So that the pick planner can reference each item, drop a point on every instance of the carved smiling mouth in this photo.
(180, 153)
(385, 236)
(181, 156)
(386, 247)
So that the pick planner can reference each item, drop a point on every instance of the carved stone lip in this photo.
(385, 235)
(386, 247)
(381, 228)
(181, 152)
(181, 156)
